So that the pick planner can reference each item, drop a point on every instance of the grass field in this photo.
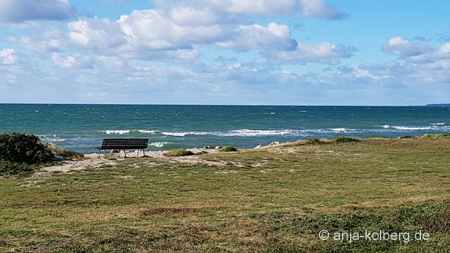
(266, 200)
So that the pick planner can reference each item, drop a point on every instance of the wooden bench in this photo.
(124, 144)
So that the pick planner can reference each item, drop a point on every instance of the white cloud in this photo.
(184, 25)
(151, 29)
(422, 61)
(195, 16)
(323, 52)
(298, 8)
(16, 11)
(8, 57)
(406, 48)
(48, 40)
(96, 34)
(72, 61)
(257, 37)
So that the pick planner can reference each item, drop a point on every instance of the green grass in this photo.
(269, 200)
(228, 149)
(179, 152)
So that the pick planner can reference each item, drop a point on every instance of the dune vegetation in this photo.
(275, 199)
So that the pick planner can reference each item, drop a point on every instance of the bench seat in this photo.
(124, 144)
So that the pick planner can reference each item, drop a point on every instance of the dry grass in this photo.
(268, 200)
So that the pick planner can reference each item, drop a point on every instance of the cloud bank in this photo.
(17, 11)
(205, 51)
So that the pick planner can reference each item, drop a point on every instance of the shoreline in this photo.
(96, 160)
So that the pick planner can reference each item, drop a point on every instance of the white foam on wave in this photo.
(181, 134)
(239, 133)
(148, 131)
(437, 124)
(51, 139)
(117, 131)
(411, 128)
(159, 144)
(339, 129)
(248, 132)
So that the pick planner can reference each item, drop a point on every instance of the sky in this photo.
(226, 52)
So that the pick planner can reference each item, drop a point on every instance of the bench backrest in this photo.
(124, 144)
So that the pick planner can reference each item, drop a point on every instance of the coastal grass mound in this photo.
(22, 153)
(276, 199)
(345, 139)
(437, 136)
(179, 152)
(228, 149)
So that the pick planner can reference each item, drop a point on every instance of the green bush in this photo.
(437, 136)
(313, 140)
(23, 148)
(228, 149)
(8, 167)
(406, 137)
(345, 139)
(180, 152)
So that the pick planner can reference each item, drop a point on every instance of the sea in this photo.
(82, 127)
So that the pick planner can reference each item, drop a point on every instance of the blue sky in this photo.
(260, 52)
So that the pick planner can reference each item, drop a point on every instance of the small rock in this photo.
(275, 143)
(259, 146)
(218, 147)
(114, 151)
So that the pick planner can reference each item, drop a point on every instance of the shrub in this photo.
(8, 167)
(313, 140)
(406, 137)
(227, 149)
(437, 136)
(62, 152)
(345, 139)
(180, 152)
(23, 148)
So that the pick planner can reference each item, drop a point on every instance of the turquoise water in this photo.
(82, 127)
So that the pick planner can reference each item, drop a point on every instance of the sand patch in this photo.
(79, 165)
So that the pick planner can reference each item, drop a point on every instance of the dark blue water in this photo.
(82, 127)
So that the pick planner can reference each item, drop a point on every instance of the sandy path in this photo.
(95, 160)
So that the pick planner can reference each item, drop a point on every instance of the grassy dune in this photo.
(267, 200)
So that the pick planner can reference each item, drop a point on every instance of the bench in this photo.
(124, 144)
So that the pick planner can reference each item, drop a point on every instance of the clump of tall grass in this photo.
(437, 136)
(228, 149)
(59, 152)
(345, 139)
(313, 140)
(179, 152)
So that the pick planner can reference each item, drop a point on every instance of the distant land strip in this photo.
(439, 105)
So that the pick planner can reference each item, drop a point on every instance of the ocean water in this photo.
(82, 127)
